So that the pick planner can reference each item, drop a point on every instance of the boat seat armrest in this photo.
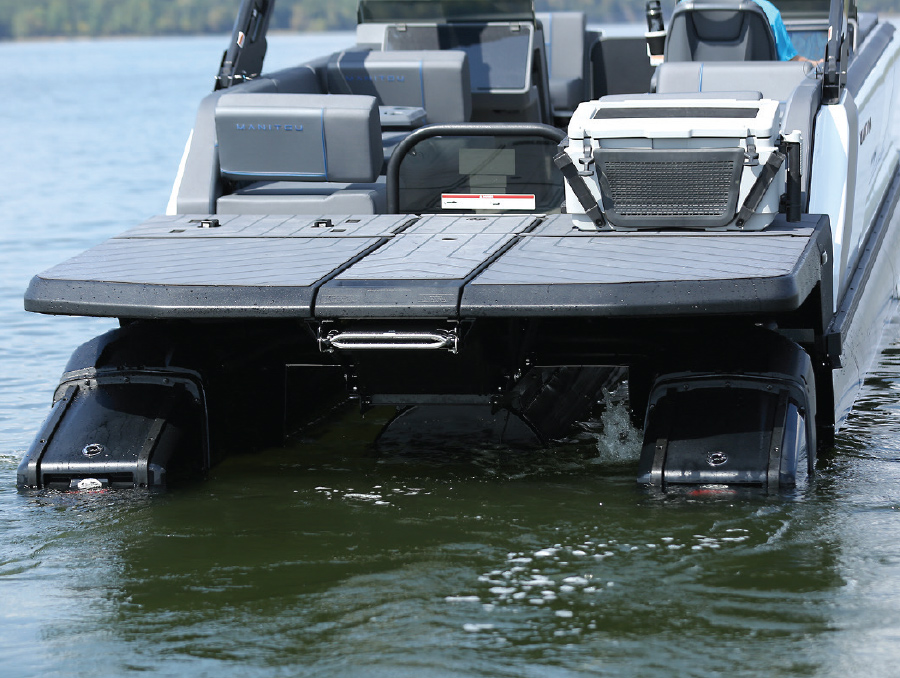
(437, 81)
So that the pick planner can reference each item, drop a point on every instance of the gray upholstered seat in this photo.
(566, 59)
(430, 79)
(774, 80)
(792, 82)
(726, 31)
(282, 197)
(500, 57)
(300, 153)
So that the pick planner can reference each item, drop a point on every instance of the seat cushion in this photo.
(284, 197)
(437, 81)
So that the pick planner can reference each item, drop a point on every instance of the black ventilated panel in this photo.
(689, 188)
(669, 188)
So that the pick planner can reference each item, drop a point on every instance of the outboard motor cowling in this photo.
(728, 427)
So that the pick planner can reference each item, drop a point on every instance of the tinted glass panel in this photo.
(804, 8)
(499, 54)
(390, 11)
(474, 169)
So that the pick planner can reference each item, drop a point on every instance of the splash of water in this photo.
(617, 440)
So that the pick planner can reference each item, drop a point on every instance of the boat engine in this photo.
(754, 426)
(121, 418)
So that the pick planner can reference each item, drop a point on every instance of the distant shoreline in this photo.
(123, 36)
(892, 13)
(141, 36)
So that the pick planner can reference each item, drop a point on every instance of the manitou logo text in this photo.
(864, 132)
(269, 128)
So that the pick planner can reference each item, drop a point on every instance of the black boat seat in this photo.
(430, 79)
(735, 31)
(300, 153)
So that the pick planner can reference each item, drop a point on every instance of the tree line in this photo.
(21, 19)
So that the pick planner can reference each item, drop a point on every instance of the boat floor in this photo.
(433, 266)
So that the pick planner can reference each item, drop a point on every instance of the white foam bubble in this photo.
(475, 628)
(618, 441)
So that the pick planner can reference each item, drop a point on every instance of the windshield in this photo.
(473, 174)
(804, 9)
(411, 11)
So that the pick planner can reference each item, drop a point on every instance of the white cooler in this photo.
(660, 162)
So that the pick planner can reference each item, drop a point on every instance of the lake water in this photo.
(325, 560)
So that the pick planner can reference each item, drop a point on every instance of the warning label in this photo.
(483, 201)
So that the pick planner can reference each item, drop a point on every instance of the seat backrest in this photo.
(774, 80)
(299, 137)
(791, 82)
(619, 65)
(437, 81)
(728, 31)
(564, 34)
(501, 58)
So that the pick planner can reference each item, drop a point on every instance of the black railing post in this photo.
(243, 59)
(836, 53)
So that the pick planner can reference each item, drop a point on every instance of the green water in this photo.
(330, 559)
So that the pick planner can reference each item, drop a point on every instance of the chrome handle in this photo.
(389, 340)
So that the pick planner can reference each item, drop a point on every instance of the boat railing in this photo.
(489, 160)
(244, 56)
(836, 54)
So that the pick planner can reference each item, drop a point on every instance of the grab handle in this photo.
(389, 340)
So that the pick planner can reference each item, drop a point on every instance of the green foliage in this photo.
(90, 18)
(70, 18)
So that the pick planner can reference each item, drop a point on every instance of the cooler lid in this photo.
(675, 118)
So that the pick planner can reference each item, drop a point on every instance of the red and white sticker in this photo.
(487, 201)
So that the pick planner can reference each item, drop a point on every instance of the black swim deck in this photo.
(402, 266)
